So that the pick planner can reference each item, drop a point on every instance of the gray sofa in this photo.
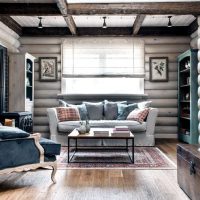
(144, 132)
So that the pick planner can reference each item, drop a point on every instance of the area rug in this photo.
(145, 158)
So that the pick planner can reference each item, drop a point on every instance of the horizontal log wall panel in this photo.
(172, 76)
(46, 94)
(40, 111)
(166, 135)
(40, 40)
(167, 121)
(166, 40)
(36, 77)
(164, 103)
(172, 48)
(168, 94)
(47, 85)
(172, 85)
(172, 57)
(40, 103)
(166, 129)
(41, 121)
(172, 67)
(43, 49)
(41, 129)
(168, 112)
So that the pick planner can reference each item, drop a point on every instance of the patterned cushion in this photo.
(138, 114)
(68, 114)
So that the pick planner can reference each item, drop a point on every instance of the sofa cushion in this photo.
(7, 132)
(68, 126)
(50, 147)
(111, 110)
(68, 114)
(124, 110)
(95, 110)
(138, 114)
(134, 126)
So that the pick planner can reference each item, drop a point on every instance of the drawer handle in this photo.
(192, 169)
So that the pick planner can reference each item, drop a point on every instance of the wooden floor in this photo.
(96, 184)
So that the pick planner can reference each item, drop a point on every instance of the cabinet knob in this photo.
(192, 168)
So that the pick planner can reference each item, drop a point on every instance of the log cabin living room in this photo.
(99, 99)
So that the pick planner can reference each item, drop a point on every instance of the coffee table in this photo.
(75, 136)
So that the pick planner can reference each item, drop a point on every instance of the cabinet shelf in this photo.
(183, 117)
(185, 70)
(185, 101)
(186, 85)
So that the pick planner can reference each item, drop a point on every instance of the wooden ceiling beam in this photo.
(12, 24)
(68, 18)
(29, 9)
(158, 8)
(110, 31)
(138, 23)
(151, 8)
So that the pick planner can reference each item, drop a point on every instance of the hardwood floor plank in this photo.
(96, 184)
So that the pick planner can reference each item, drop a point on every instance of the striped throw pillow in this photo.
(138, 114)
(68, 114)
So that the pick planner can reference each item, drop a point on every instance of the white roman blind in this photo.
(106, 65)
(107, 56)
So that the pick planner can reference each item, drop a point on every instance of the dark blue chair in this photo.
(27, 153)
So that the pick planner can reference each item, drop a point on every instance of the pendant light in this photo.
(104, 23)
(40, 22)
(169, 22)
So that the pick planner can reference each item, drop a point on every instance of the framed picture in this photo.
(48, 68)
(158, 69)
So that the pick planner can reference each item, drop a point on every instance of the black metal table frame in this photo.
(69, 160)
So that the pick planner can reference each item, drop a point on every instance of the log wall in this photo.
(163, 94)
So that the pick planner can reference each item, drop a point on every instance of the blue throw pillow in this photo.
(95, 110)
(7, 132)
(111, 110)
(124, 110)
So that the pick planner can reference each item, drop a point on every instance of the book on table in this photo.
(100, 132)
(121, 131)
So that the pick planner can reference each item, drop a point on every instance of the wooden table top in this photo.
(105, 133)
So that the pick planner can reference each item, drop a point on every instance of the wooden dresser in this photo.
(188, 169)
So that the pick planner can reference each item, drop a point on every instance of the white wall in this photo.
(163, 94)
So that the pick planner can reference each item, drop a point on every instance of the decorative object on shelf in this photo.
(188, 80)
(27, 81)
(158, 69)
(28, 67)
(40, 23)
(104, 23)
(187, 96)
(169, 22)
(48, 68)
(187, 64)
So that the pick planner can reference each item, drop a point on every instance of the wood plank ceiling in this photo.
(60, 18)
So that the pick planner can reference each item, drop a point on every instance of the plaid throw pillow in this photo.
(68, 114)
(138, 114)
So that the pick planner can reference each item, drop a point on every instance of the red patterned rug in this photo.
(145, 158)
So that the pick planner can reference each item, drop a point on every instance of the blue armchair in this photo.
(23, 152)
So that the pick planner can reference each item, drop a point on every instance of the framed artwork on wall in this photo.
(158, 69)
(48, 68)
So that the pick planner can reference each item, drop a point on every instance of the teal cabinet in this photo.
(188, 97)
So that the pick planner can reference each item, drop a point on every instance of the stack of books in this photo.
(121, 131)
(101, 133)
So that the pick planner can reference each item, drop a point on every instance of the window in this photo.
(103, 66)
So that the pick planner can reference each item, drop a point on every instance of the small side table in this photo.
(23, 120)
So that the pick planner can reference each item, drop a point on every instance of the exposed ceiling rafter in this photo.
(12, 24)
(62, 5)
(138, 23)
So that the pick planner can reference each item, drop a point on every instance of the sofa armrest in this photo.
(151, 121)
(53, 123)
